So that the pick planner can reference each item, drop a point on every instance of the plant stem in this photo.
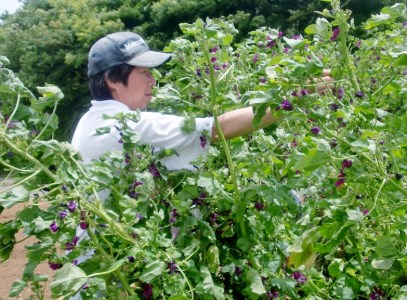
(345, 53)
(109, 260)
(28, 157)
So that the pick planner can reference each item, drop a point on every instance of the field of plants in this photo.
(311, 208)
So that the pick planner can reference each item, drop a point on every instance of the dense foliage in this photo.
(48, 40)
(313, 208)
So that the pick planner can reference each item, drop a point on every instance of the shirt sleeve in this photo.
(165, 132)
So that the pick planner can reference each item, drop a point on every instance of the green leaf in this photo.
(16, 195)
(212, 258)
(151, 271)
(382, 264)
(208, 286)
(256, 284)
(354, 215)
(68, 280)
(312, 161)
(302, 254)
(385, 247)
(17, 287)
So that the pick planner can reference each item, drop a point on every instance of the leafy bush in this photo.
(312, 208)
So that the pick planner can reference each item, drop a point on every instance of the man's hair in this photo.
(98, 82)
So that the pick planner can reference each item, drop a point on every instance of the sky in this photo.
(9, 5)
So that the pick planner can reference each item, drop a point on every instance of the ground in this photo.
(12, 269)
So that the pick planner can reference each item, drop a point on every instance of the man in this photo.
(120, 81)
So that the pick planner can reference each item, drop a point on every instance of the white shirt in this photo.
(158, 130)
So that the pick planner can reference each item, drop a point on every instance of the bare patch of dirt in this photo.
(12, 269)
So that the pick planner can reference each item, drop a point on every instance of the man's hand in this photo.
(321, 85)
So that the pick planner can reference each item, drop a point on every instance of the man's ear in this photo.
(111, 85)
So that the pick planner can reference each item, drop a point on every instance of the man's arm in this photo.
(239, 122)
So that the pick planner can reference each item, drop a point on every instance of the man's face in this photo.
(138, 92)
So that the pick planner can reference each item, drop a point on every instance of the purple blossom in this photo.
(130, 259)
(286, 50)
(296, 36)
(272, 294)
(334, 106)
(173, 216)
(335, 34)
(213, 59)
(63, 214)
(346, 163)
(53, 227)
(315, 130)
(198, 72)
(263, 80)
(340, 182)
(202, 141)
(280, 34)
(238, 271)
(258, 205)
(358, 43)
(365, 212)
(271, 44)
(376, 294)
(405, 72)
(147, 291)
(154, 171)
(294, 144)
(286, 105)
(374, 80)
(71, 206)
(83, 225)
(172, 267)
(299, 277)
(341, 93)
(359, 94)
(214, 49)
(304, 92)
(54, 266)
(255, 58)
(225, 65)
(70, 245)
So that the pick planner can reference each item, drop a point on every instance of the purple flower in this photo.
(358, 43)
(340, 182)
(154, 171)
(376, 294)
(225, 65)
(341, 93)
(258, 205)
(304, 92)
(255, 58)
(334, 106)
(299, 277)
(71, 206)
(83, 225)
(405, 72)
(270, 44)
(271, 294)
(147, 291)
(286, 105)
(359, 94)
(280, 34)
(213, 217)
(172, 267)
(70, 245)
(214, 49)
(202, 141)
(365, 211)
(315, 130)
(63, 214)
(173, 216)
(335, 34)
(238, 271)
(346, 163)
(54, 266)
(131, 259)
(296, 37)
(213, 59)
(294, 144)
(198, 72)
(263, 80)
(374, 80)
(53, 227)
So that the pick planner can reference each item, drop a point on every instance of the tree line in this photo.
(47, 41)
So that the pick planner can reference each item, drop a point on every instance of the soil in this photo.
(12, 269)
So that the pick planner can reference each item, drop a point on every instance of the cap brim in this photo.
(150, 59)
